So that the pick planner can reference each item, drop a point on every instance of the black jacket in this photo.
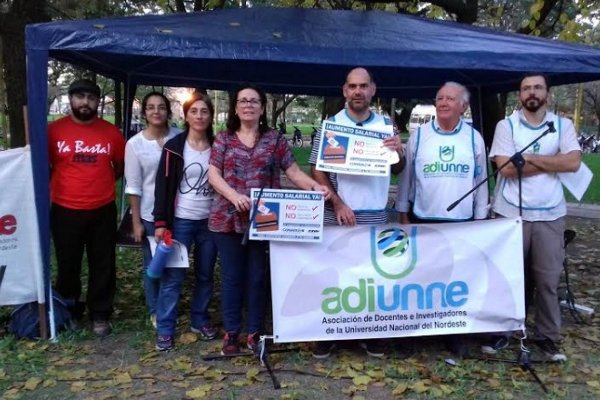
(168, 178)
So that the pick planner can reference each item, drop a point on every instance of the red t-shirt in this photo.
(82, 157)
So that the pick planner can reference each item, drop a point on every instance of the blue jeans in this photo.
(187, 232)
(151, 286)
(243, 270)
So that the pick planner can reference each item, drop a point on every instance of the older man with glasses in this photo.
(445, 158)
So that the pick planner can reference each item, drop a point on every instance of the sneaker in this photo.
(495, 344)
(101, 328)
(323, 350)
(206, 332)
(252, 342)
(153, 320)
(230, 344)
(551, 350)
(164, 343)
(373, 347)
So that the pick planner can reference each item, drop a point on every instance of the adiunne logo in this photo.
(393, 256)
(393, 242)
(445, 166)
(536, 148)
(446, 153)
(388, 249)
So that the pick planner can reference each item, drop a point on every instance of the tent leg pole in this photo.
(43, 320)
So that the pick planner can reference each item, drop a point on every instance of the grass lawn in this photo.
(592, 196)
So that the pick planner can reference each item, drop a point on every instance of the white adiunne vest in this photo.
(444, 168)
(539, 192)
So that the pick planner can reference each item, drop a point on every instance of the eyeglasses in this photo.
(248, 102)
(537, 88)
(158, 108)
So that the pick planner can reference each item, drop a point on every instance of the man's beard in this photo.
(532, 103)
(84, 113)
(358, 108)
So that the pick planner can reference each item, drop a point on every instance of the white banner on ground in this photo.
(399, 280)
(19, 238)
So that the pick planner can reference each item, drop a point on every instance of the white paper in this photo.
(288, 215)
(577, 182)
(178, 258)
(355, 150)
(392, 156)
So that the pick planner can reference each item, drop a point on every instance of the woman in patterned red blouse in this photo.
(248, 154)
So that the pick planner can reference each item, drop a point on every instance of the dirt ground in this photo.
(125, 365)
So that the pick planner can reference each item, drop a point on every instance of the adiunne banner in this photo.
(19, 240)
(399, 280)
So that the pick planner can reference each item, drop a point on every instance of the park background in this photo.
(125, 364)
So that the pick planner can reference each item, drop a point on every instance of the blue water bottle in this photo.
(161, 255)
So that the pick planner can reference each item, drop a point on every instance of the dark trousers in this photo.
(96, 232)
(243, 277)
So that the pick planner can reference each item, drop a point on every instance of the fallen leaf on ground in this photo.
(252, 373)
(123, 378)
(32, 383)
(419, 387)
(361, 380)
(400, 389)
(77, 386)
(188, 338)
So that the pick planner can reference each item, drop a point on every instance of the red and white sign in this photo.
(19, 239)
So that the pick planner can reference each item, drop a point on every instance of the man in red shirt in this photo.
(86, 157)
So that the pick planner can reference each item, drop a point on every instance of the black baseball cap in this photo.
(84, 85)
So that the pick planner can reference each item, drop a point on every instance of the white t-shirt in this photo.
(440, 168)
(542, 194)
(141, 163)
(195, 195)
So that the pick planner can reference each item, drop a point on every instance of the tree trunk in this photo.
(12, 33)
(16, 89)
(492, 111)
(331, 106)
(402, 120)
(3, 106)
(118, 104)
(277, 111)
